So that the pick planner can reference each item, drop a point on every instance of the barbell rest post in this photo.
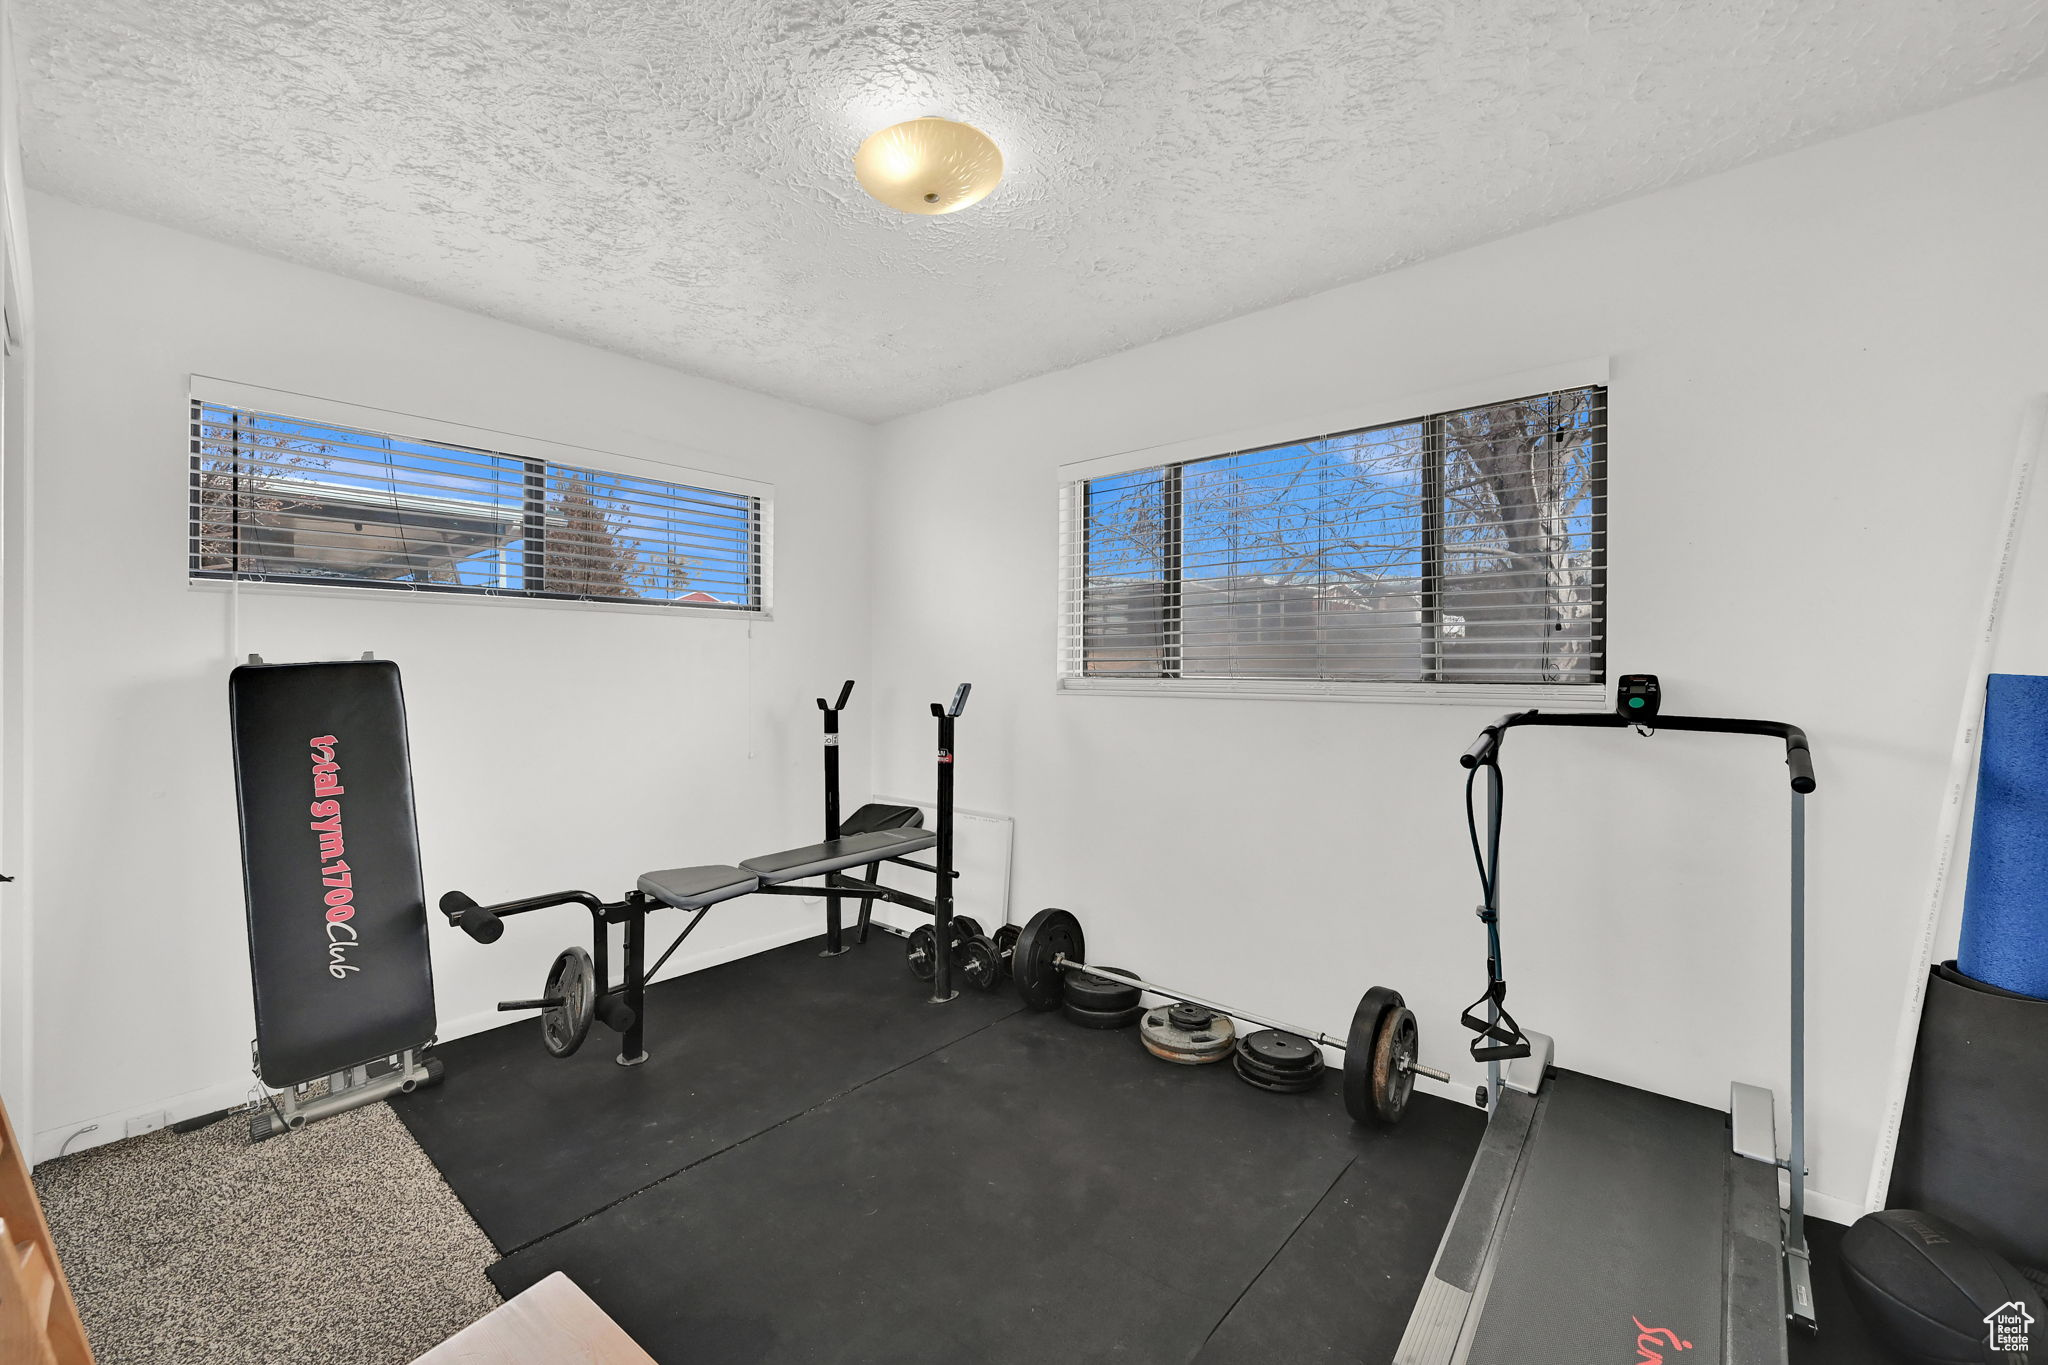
(552, 1002)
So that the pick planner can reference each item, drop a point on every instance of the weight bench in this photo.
(331, 874)
(693, 888)
(579, 989)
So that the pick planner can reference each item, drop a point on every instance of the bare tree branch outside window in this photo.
(285, 499)
(1456, 547)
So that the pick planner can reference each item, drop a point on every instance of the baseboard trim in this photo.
(113, 1126)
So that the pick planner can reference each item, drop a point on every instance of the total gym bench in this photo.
(579, 989)
(331, 873)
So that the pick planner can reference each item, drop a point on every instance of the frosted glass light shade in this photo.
(929, 165)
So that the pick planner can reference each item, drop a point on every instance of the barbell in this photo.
(1380, 1062)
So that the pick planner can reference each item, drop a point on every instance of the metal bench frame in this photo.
(482, 922)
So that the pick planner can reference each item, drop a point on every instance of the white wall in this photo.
(16, 939)
(1819, 366)
(552, 747)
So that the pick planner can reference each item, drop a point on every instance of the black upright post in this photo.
(834, 938)
(942, 897)
(632, 1050)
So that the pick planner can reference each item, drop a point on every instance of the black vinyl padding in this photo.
(692, 888)
(336, 985)
(1970, 1142)
(1928, 1285)
(877, 815)
(833, 855)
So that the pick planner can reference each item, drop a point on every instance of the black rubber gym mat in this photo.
(531, 1143)
(1343, 1286)
(1033, 1192)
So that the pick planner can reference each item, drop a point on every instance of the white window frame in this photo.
(662, 467)
(1074, 475)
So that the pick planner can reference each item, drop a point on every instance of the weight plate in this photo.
(978, 964)
(573, 982)
(1294, 1084)
(1050, 935)
(963, 930)
(1088, 1018)
(1281, 1076)
(1281, 1051)
(1167, 1054)
(1392, 1054)
(1360, 1085)
(919, 952)
(1092, 992)
(1168, 1035)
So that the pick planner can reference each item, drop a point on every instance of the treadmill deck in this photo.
(1612, 1233)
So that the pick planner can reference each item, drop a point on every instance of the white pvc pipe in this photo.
(1961, 781)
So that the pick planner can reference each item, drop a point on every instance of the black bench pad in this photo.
(834, 855)
(693, 888)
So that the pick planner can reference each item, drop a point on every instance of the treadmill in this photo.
(1600, 1222)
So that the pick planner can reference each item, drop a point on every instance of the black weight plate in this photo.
(1393, 1080)
(1093, 992)
(977, 962)
(1190, 1018)
(1088, 1018)
(1277, 1075)
(965, 931)
(573, 981)
(1359, 1085)
(1281, 1051)
(1293, 1085)
(1051, 934)
(919, 951)
(1006, 946)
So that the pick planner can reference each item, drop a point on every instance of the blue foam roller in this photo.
(2005, 908)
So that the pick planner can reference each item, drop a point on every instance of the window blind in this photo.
(1454, 547)
(275, 498)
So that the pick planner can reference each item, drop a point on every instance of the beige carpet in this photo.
(339, 1243)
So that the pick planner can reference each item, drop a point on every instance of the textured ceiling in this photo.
(672, 178)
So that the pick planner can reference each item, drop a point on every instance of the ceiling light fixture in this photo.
(929, 165)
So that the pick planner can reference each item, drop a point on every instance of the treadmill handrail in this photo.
(1798, 754)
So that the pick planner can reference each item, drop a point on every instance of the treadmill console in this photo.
(1636, 697)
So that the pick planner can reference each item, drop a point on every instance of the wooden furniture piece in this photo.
(553, 1323)
(38, 1319)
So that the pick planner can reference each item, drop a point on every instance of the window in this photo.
(1462, 547)
(281, 499)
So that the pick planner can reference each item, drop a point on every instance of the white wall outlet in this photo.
(148, 1123)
